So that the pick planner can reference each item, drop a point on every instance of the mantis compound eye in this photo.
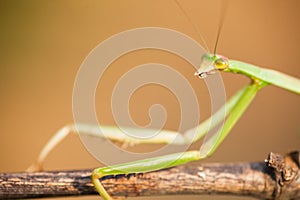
(221, 63)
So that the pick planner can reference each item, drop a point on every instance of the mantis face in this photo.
(210, 64)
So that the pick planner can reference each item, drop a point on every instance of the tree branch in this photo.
(276, 178)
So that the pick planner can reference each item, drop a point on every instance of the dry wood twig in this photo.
(276, 178)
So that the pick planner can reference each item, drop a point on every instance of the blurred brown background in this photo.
(43, 44)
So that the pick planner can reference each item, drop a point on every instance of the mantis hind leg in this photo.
(115, 134)
(108, 132)
(56, 139)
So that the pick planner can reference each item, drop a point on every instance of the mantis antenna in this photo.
(221, 22)
(193, 24)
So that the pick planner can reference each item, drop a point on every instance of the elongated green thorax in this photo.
(267, 75)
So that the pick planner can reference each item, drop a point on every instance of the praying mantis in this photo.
(234, 108)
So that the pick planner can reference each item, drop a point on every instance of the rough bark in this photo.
(276, 178)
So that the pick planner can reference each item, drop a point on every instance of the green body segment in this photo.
(150, 164)
(267, 75)
(140, 166)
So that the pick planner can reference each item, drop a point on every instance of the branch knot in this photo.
(285, 169)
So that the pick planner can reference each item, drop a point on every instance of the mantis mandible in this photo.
(233, 109)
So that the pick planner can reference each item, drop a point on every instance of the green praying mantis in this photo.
(233, 109)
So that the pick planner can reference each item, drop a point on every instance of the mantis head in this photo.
(210, 64)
